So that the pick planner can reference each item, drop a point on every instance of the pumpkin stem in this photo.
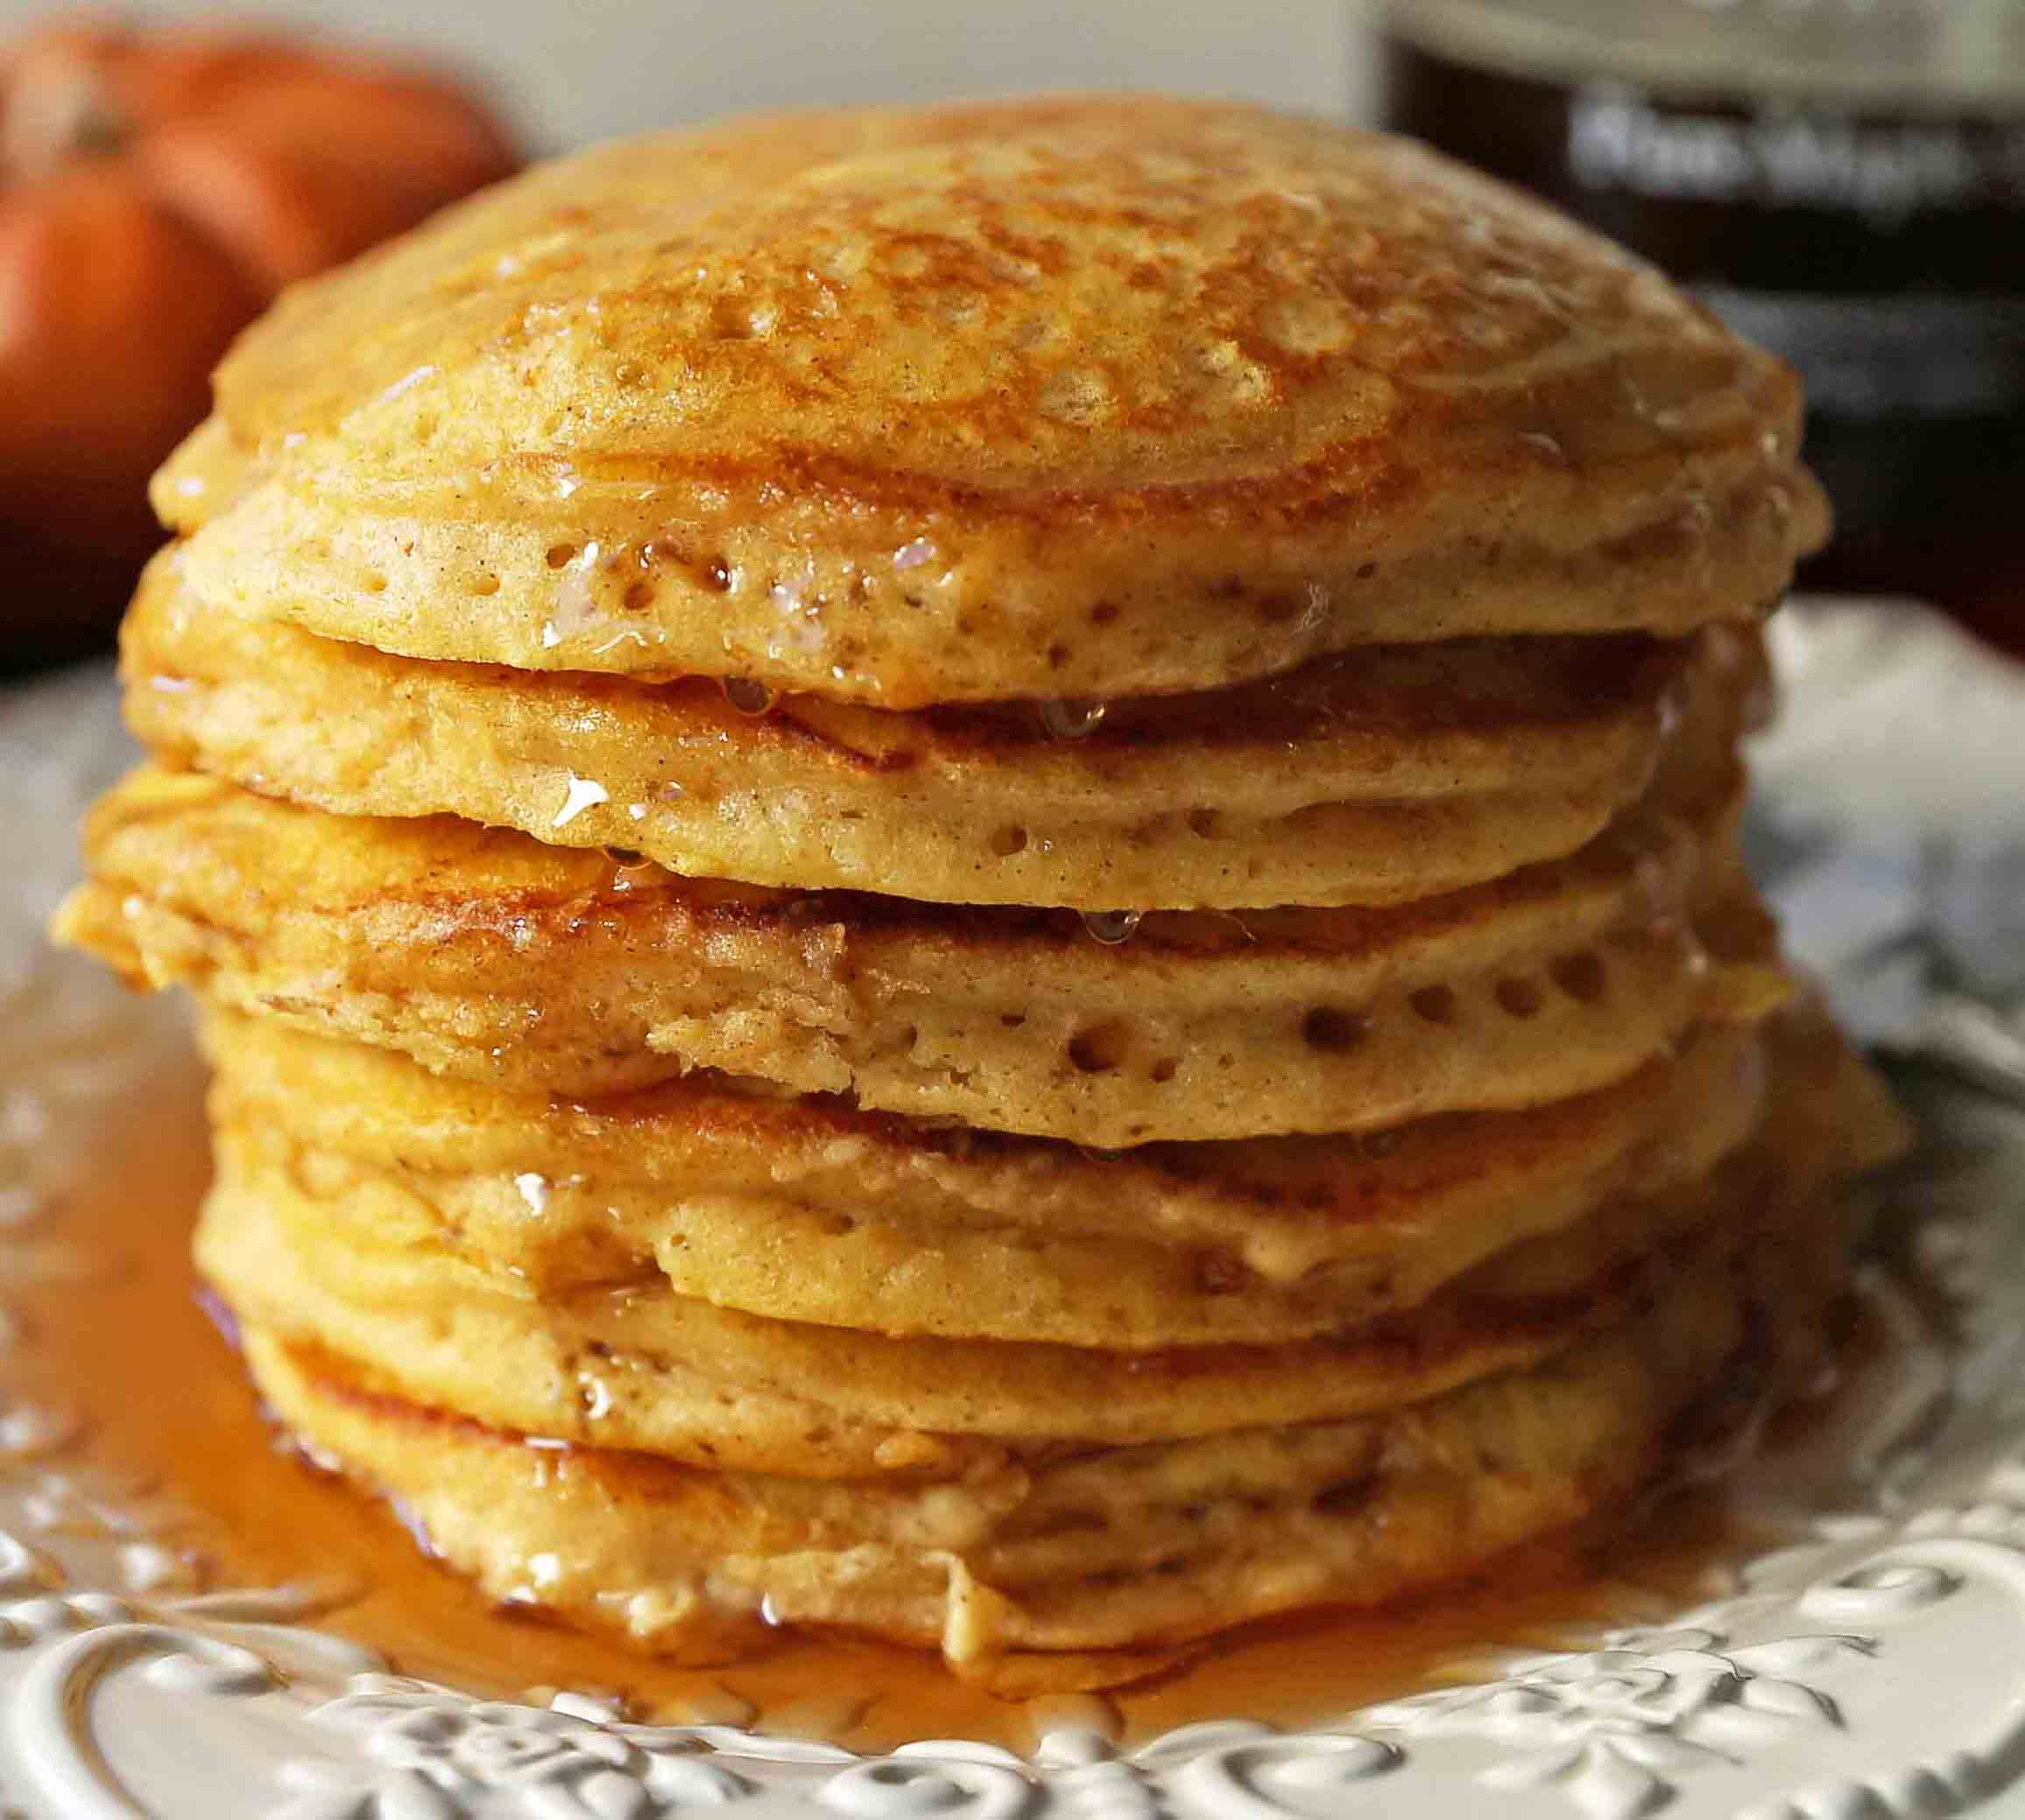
(59, 109)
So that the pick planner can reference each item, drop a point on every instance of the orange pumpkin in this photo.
(157, 188)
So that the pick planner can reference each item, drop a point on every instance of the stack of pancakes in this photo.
(972, 873)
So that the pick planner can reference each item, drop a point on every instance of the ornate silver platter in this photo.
(1873, 1667)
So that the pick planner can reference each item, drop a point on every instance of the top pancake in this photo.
(1069, 396)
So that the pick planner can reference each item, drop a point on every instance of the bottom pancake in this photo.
(1104, 1558)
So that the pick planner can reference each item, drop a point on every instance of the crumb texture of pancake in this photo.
(1020, 399)
(975, 873)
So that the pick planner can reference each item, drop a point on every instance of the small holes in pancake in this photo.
(838, 1225)
(561, 556)
(484, 584)
(1013, 1020)
(1434, 1005)
(1518, 998)
(1580, 976)
(1163, 1070)
(1101, 1048)
(1366, 570)
(639, 597)
(1333, 1030)
(717, 575)
(1005, 842)
(1103, 613)
(1206, 824)
(1277, 608)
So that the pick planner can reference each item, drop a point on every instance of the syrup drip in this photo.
(630, 869)
(748, 697)
(1072, 720)
(1112, 928)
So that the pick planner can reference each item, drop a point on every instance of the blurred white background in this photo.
(570, 70)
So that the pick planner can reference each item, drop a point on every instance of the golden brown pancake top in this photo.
(1081, 395)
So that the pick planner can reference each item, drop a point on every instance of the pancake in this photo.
(811, 1211)
(1057, 398)
(1397, 774)
(484, 955)
(1112, 1548)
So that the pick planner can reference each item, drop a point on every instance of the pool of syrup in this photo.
(163, 1404)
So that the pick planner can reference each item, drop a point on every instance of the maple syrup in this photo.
(163, 1404)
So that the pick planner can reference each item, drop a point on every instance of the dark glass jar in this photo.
(1843, 179)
